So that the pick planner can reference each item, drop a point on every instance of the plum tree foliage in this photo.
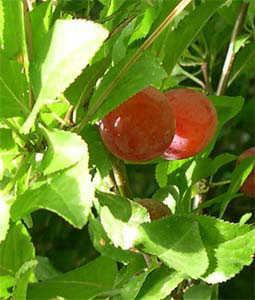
(121, 124)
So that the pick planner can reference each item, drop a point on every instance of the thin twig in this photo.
(101, 99)
(205, 72)
(193, 78)
(229, 60)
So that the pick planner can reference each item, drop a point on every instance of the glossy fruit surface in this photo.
(156, 209)
(141, 128)
(196, 123)
(248, 186)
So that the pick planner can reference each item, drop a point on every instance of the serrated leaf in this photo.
(177, 242)
(188, 29)
(82, 88)
(98, 155)
(86, 282)
(68, 193)
(229, 246)
(159, 284)
(146, 71)
(232, 256)
(120, 219)
(64, 150)
(11, 25)
(66, 51)
(104, 246)
(13, 86)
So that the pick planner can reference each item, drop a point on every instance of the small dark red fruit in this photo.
(141, 128)
(196, 123)
(156, 209)
(248, 186)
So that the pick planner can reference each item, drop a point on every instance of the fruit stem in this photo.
(230, 57)
(120, 176)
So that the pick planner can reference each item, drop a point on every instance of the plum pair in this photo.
(175, 125)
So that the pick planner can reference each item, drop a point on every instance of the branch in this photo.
(231, 50)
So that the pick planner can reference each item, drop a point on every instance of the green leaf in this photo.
(199, 291)
(238, 177)
(64, 150)
(17, 258)
(13, 86)
(159, 284)
(44, 269)
(6, 139)
(206, 167)
(146, 71)
(244, 57)
(11, 25)
(177, 242)
(6, 282)
(99, 157)
(131, 289)
(145, 24)
(169, 195)
(188, 29)
(222, 160)
(15, 250)
(41, 19)
(161, 173)
(68, 193)
(240, 173)
(86, 282)
(4, 217)
(104, 246)
(120, 46)
(203, 169)
(229, 246)
(22, 280)
(227, 107)
(66, 51)
(245, 218)
(120, 219)
(82, 88)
